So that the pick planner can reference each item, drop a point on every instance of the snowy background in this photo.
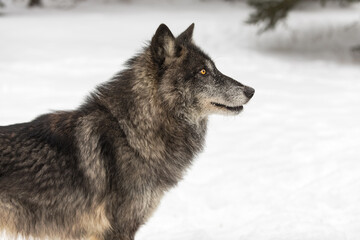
(287, 168)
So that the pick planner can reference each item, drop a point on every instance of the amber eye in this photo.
(203, 71)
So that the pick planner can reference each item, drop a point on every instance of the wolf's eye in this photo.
(203, 71)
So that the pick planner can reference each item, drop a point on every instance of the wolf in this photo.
(100, 171)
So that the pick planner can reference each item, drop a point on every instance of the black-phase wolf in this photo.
(100, 171)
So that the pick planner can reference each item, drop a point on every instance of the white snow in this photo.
(287, 168)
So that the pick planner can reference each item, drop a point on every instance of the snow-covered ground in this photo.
(288, 168)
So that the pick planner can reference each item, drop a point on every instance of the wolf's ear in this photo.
(186, 36)
(163, 44)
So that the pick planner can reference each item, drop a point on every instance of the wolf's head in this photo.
(187, 80)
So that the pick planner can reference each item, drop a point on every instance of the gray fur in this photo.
(100, 171)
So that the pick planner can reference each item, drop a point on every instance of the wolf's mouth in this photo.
(233, 109)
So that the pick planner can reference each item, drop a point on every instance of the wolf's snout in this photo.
(249, 92)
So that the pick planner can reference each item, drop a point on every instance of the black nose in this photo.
(249, 92)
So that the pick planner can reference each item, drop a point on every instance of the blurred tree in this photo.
(35, 3)
(271, 11)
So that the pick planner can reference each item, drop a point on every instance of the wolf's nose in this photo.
(249, 92)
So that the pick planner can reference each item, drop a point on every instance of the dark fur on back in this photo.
(100, 171)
